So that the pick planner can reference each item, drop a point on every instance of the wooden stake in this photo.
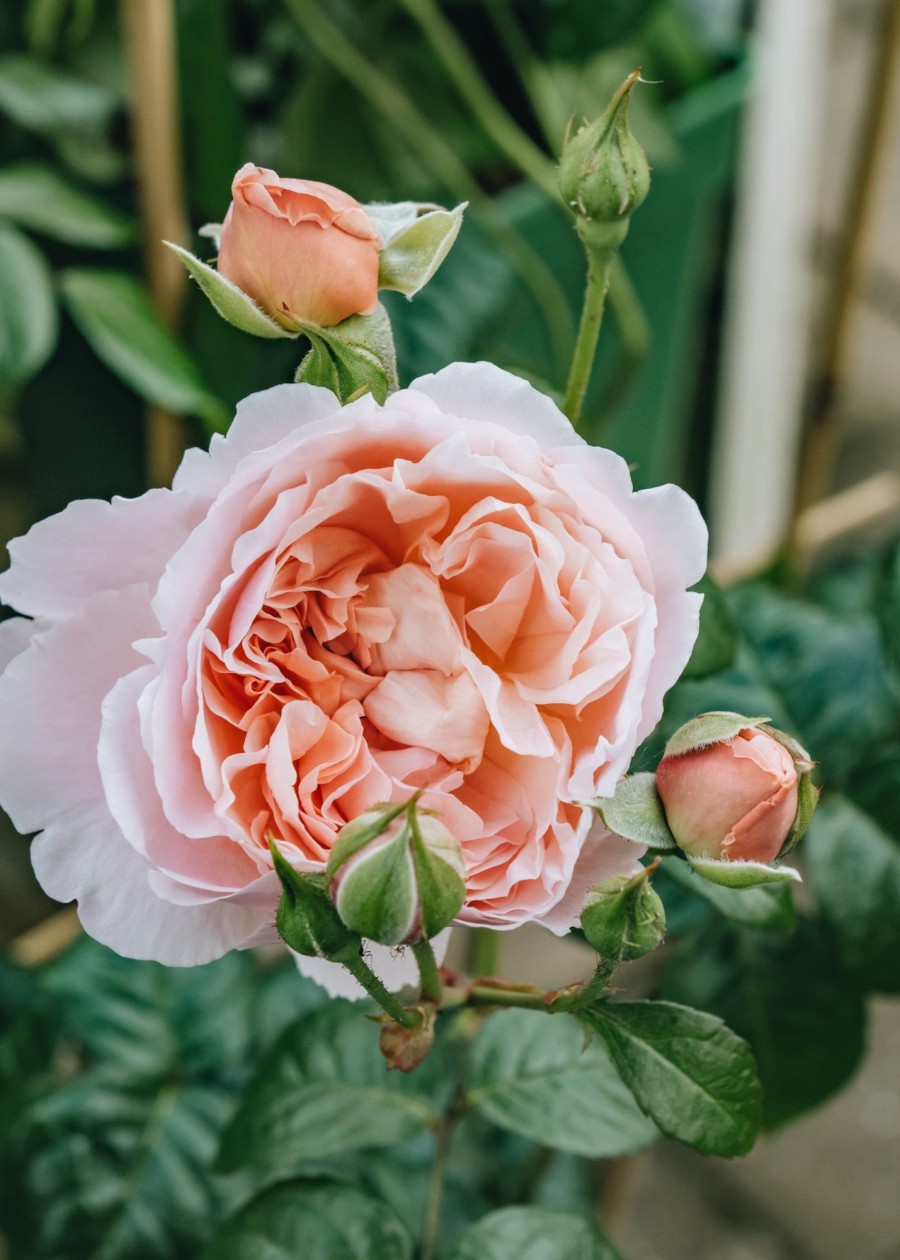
(148, 28)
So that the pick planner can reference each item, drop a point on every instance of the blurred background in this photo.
(752, 354)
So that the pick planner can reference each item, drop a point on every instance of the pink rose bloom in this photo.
(303, 251)
(736, 800)
(337, 607)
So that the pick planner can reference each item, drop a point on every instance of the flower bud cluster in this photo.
(396, 875)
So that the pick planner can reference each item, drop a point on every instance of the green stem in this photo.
(485, 952)
(437, 156)
(589, 992)
(599, 264)
(489, 995)
(429, 974)
(466, 75)
(434, 1202)
(364, 974)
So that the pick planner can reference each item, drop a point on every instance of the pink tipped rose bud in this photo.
(305, 252)
(735, 800)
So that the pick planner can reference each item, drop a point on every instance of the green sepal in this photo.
(353, 358)
(306, 919)
(415, 249)
(377, 895)
(636, 813)
(232, 303)
(623, 918)
(807, 800)
(441, 888)
(710, 728)
(807, 792)
(357, 834)
(741, 874)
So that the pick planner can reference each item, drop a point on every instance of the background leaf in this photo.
(536, 1076)
(28, 315)
(315, 1220)
(39, 198)
(533, 1233)
(113, 313)
(788, 996)
(323, 1090)
(855, 871)
(691, 1073)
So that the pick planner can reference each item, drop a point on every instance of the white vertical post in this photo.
(766, 344)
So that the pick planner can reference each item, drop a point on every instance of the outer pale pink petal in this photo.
(396, 967)
(94, 546)
(261, 420)
(604, 855)
(481, 391)
(675, 537)
(16, 634)
(49, 779)
(211, 867)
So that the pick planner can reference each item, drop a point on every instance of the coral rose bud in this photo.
(734, 800)
(305, 252)
(396, 875)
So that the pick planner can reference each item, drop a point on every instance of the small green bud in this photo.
(396, 875)
(624, 918)
(306, 919)
(603, 173)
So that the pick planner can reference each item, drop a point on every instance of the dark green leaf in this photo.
(148, 1021)
(45, 99)
(323, 1090)
(855, 872)
(718, 638)
(114, 314)
(28, 316)
(791, 1000)
(533, 1074)
(40, 199)
(832, 672)
(312, 1220)
(533, 1233)
(692, 1074)
(109, 1170)
(770, 908)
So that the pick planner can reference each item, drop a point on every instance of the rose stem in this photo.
(599, 263)
(489, 995)
(428, 971)
(484, 954)
(440, 158)
(534, 164)
(365, 976)
(443, 1135)
(589, 992)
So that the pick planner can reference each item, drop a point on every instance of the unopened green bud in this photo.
(624, 918)
(396, 875)
(603, 173)
(306, 919)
